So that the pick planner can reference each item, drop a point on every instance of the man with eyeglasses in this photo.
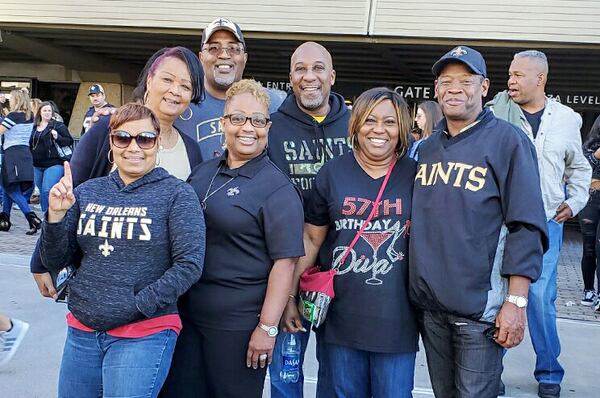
(309, 129)
(223, 57)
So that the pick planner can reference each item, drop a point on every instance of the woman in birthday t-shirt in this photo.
(369, 338)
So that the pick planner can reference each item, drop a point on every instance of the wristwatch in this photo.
(272, 331)
(519, 301)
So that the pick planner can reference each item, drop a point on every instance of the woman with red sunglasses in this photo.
(140, 233)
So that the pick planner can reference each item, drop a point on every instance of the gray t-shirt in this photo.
(201, 122)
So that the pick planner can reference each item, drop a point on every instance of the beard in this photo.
(224, 82)
(311, 103)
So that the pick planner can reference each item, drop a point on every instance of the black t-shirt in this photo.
(370, 310)
(253, 217)
(534, 120)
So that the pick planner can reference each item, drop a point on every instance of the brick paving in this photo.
(570, 285)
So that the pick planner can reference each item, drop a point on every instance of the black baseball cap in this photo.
(223, 24)
(95, 89)
(465, 55)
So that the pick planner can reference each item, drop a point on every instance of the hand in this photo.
(290, 320)
(563, 213)
(597, 154)
(61, 197)
(45, 285)
(102, 112)
(510, 325)
(54, 133)
(260, 343)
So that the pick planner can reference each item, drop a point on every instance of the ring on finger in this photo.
(263, 357)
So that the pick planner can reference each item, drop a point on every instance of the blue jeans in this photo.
(45, 178)
(541, 313)
(13, 193)
(280, 389)
(358, 373)
(95, 364)
(462, 360)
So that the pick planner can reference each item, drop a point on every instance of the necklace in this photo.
(37, 134)
(208, 194)
(163, 140)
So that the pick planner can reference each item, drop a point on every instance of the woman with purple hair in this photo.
(170, 80)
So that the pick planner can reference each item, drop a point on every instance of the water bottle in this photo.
(290, 351)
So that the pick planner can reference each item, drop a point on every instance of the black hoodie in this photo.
(299, 145)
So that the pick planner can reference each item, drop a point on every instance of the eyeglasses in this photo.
(145, 140)
(215, 49)
(239, 119)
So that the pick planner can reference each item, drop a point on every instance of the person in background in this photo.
(370, 334)
(98, 101)
(12, 332)
(35, 104)
(254, 224)
(170, 80)
(4, 105)
(17, 162)
(56, 116)
(589, 221)
(48, 164)
(140, 234)
(565, 175)
(428, 115)
(35, 195)
(223, 56)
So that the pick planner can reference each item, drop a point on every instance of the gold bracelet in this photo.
(292, 297)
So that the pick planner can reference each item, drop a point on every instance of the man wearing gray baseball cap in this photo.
(223, 57)
(478, 198)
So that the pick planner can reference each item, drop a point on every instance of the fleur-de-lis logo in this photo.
(458, 52)
(233, 191)
(106, 249)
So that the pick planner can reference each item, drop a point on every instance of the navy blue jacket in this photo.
(477, 218)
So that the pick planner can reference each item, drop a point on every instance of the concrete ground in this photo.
(33, 371)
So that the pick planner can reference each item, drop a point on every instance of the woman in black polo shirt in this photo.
(369, 338)
(254, 221)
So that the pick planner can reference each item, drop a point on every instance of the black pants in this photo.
(589, 220)
(463, 361)
(212, 363)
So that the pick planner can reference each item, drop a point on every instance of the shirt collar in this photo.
(483, 114)
(248, 169)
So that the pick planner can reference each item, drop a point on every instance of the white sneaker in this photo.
(10, 341)
(589, 297)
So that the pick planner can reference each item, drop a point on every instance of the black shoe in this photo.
(4, 222)
(547, 390)
(501, 389)
(34, 223)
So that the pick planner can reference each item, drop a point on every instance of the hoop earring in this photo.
(145, 99)
(108, 156)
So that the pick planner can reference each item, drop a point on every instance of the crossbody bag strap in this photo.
(371, 215)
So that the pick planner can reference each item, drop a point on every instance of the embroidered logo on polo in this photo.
(233, 191)
(108, 222)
